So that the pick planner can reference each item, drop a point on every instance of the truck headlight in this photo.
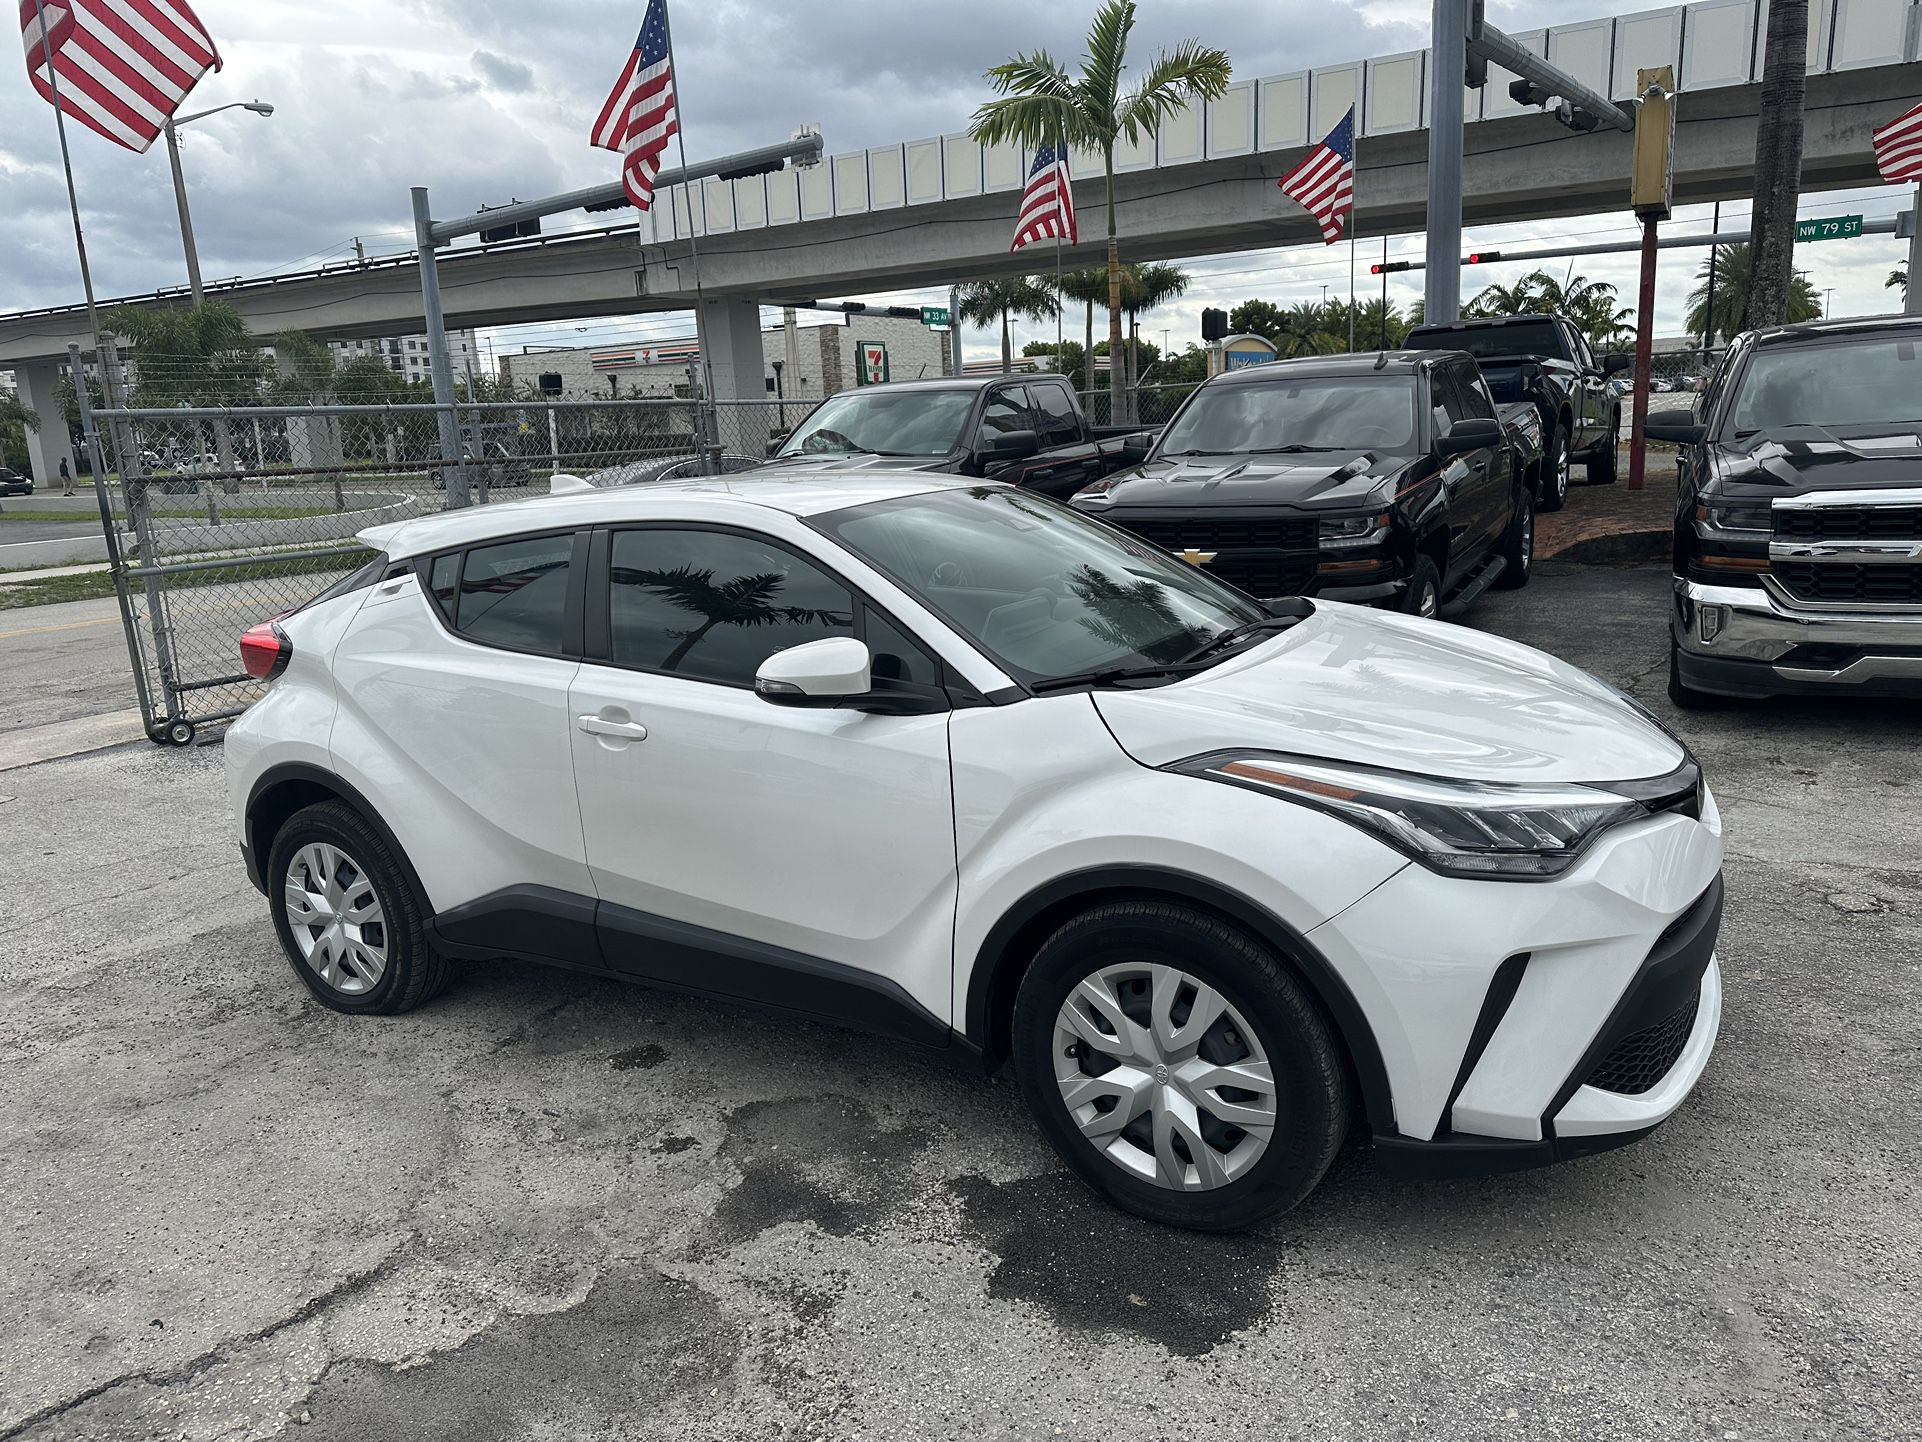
(1343, 532)
(1487, 830)
(1754, 518)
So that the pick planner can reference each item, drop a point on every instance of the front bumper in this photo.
(1521, 1024)
(1750, 641)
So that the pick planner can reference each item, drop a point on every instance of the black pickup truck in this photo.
(1388, 478)
(1798, 528)
(1026, 430)
(1544, 360)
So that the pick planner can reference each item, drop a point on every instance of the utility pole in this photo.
(1914, 304)
(1651, 193)
(1443, 291)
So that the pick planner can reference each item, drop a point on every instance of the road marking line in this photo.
(63, 626)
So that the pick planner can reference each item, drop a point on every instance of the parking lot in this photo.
(553, 1206)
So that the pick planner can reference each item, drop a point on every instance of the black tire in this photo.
(1684, 695)
(1553, 492)
(414, 972)
(1311, 1081)
(1423, 596)
(1518, 544)
(1601, 463)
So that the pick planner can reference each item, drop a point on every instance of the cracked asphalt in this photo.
(554, 1207)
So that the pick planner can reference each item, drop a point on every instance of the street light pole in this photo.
(171, 128)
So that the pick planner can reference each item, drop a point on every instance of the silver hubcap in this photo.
(1528, 536)
(336, 918)
(1164, 1076)
(1561, 467)
(1430, 604)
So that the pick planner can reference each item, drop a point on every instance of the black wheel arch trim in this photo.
(306, 772)
(999, 963)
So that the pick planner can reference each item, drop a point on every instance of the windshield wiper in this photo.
(1239, 633)
(1288, 450)
(1109, 676)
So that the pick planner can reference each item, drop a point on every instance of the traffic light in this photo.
(1390, 267)
(1214, 325)
(1483, 257)
(1527, 92)
(1575, 118)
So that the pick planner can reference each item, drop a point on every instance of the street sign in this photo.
(871, 363)
(1841, 227)
(934, 315)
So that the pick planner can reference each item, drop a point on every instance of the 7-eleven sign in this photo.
(871, 363)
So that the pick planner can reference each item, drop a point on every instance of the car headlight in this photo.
(1481, 829)
(1340, 532)
(1742, 517)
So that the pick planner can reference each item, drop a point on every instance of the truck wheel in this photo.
(1423, 596)
(1601, 463)
(1518, 544)
(1554, 488)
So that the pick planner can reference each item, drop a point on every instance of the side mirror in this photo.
(1681, 427)
(1615, 364)
(1135, 447)
(816, 673)
(1010, 445)
(1474, 434)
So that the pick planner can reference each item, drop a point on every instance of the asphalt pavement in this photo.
(549, 1206)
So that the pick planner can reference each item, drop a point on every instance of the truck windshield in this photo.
(1523, 337)
(1316, 413)
(1857, 381)
(915, 422)
(1046, 592)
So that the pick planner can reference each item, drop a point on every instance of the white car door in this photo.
(796, 855)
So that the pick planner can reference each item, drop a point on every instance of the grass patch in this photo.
(227, 513)
(95, 585)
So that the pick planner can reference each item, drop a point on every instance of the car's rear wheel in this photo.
(1601, 464)
(1554, 488)
(348, 916)
(1178, 1066)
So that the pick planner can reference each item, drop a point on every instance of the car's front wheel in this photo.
(1602, 461)
(1518, 544)
(1554, 488)
(1178, 1066)
(348, 915)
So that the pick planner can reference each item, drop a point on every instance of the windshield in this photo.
(1045, 591)
(1529, 337)
(916, 422)
(1859, 381)
(1322, 413)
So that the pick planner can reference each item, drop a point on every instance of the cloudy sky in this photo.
(484, 100)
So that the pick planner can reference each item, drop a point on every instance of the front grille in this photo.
(1848, 523)
(1641, 1059)
(1837, 582)
(1217, 533)
(1266, 576)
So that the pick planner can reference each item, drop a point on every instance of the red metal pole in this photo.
(1644, 352)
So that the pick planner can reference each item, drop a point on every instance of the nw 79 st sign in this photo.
(1842, 227)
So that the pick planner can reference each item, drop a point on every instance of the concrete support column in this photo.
(311, 440)
(730, 332)
(48, 446)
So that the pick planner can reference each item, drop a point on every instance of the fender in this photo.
(1011, 943)
(314, 776)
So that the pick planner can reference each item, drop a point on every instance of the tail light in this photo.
(265, 651)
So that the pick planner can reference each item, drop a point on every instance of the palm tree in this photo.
(1143, 287)
(1307, 328)
(1899, 280)
(1590, 304)
(984, 302)
(1732, 265)
(1041, 103)
(1088, 285)
(1770, 283)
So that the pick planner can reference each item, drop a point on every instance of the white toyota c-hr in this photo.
(949, 762)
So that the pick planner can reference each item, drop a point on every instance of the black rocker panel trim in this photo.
(997, 963)
(557, 927)
(1448, 1158)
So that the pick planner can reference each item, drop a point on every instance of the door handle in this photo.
(601, 726)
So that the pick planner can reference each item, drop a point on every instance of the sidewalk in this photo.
(49, 573)
(1612, 525)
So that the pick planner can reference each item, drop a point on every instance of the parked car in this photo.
(1388, 478)
(12, 483)
(1798, 534)
(950, 761)
(1544, 360)
(498, 467)
(1029, 431)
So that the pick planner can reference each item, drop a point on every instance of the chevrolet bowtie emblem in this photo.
(1196, 558)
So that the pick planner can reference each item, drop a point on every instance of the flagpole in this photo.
(1059, 340)
(66, 162)
(1352, 237)
(693, 245)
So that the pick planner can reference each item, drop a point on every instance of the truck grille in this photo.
(1266, 556)
(1640, 1060)
(1832, 582)
(1849, 523)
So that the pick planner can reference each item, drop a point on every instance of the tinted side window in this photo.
(1007, 410)
(712, 606)
(1474, 392)
(1445, 398)
(1055, 411)
(443, 584)
(515, 594)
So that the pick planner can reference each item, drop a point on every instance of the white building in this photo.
(406, 356)
(802, 363)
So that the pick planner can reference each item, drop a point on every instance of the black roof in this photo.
(1482, 322)
(1830, 329)
(955, 383)
(1361, 363)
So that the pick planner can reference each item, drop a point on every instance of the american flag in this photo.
(640, 116)
(1898, 147)
(1324, 182)
(122, 66)
(1047, 205)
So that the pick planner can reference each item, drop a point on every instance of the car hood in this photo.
(862, 463)
(1380, 689)
(1765, 466)
(1314, 479)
